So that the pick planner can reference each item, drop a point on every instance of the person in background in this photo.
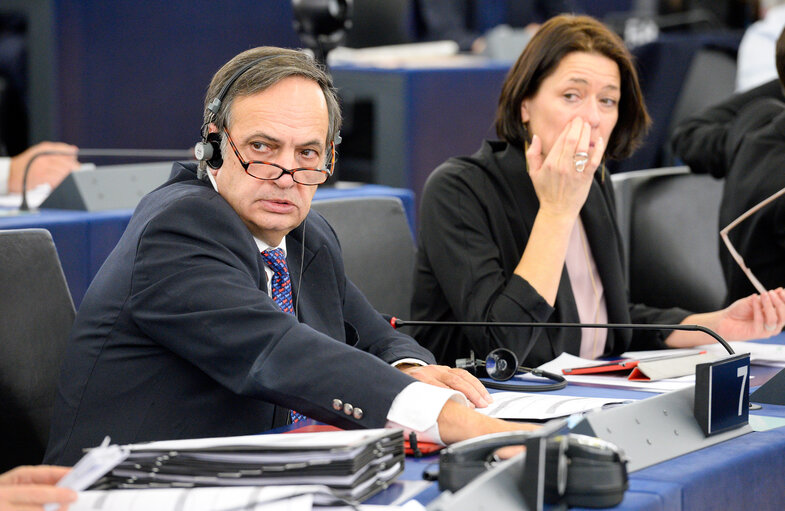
(462, 20)
(29, 488)
(525, 229)
(742, 140)
(224, 309)
(755, 60)
(48, 169)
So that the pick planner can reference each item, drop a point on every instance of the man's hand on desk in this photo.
(451, 378)
(457, 423)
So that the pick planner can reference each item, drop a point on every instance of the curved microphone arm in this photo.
(395, 322)
(132, 153)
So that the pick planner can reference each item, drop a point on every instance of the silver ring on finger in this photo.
(580, 160)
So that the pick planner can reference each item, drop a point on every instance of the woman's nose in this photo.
(592, 113)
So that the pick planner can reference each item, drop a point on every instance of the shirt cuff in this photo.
(415, 361)
(5, 166)
(417, 407)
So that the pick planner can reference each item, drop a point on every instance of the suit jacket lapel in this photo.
(314, 286)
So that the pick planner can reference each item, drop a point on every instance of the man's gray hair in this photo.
(263, 75)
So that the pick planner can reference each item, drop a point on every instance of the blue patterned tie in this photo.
(281, 287)
(281, 284)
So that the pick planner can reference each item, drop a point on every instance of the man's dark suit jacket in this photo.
(743, 141)
(177, 337)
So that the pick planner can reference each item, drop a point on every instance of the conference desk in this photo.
(747, 472)
(85, 239)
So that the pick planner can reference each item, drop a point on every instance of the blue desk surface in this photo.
(747, 472)
(84, 239)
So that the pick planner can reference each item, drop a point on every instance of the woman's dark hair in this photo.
(780, 57)
(558, 37)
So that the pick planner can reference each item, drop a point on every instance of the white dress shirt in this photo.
(5, 166)
(756, 58)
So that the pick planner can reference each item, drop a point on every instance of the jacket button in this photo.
(348, 408)
(337, 404)
(358, 413)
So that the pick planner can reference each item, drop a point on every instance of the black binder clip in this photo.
(413, 445)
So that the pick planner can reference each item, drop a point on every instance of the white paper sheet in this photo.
(760, 353)
(281, 442)
(271, 498)
(540, 406)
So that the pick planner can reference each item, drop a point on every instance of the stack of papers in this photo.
(760, 353)
(352, 464)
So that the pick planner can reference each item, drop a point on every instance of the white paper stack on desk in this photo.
(353, 464)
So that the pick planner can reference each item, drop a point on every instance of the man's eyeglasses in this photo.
(269, 171)
(734, 253)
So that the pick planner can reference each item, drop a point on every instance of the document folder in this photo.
(353, 464)
(651, 369)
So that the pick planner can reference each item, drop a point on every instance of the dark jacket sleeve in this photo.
(198, 292)
(702, 140)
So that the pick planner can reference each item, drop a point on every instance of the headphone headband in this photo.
(214, 106)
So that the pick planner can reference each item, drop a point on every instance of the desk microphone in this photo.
(132, 153)
(508, 359)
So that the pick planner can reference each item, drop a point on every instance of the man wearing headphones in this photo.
(225, 305)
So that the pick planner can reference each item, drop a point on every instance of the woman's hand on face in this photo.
(561, 189)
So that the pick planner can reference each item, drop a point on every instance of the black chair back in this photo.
(378, 248)
(670, 221)
(37, 314)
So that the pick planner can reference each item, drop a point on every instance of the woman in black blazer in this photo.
(525, 229)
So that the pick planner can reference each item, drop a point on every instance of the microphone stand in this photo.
(132, 153)
(395, 322)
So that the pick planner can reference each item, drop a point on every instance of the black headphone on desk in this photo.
(208, 149)
(501, 365)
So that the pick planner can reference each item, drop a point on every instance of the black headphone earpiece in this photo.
(209, 150)
(215, 160)
(501, 365)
